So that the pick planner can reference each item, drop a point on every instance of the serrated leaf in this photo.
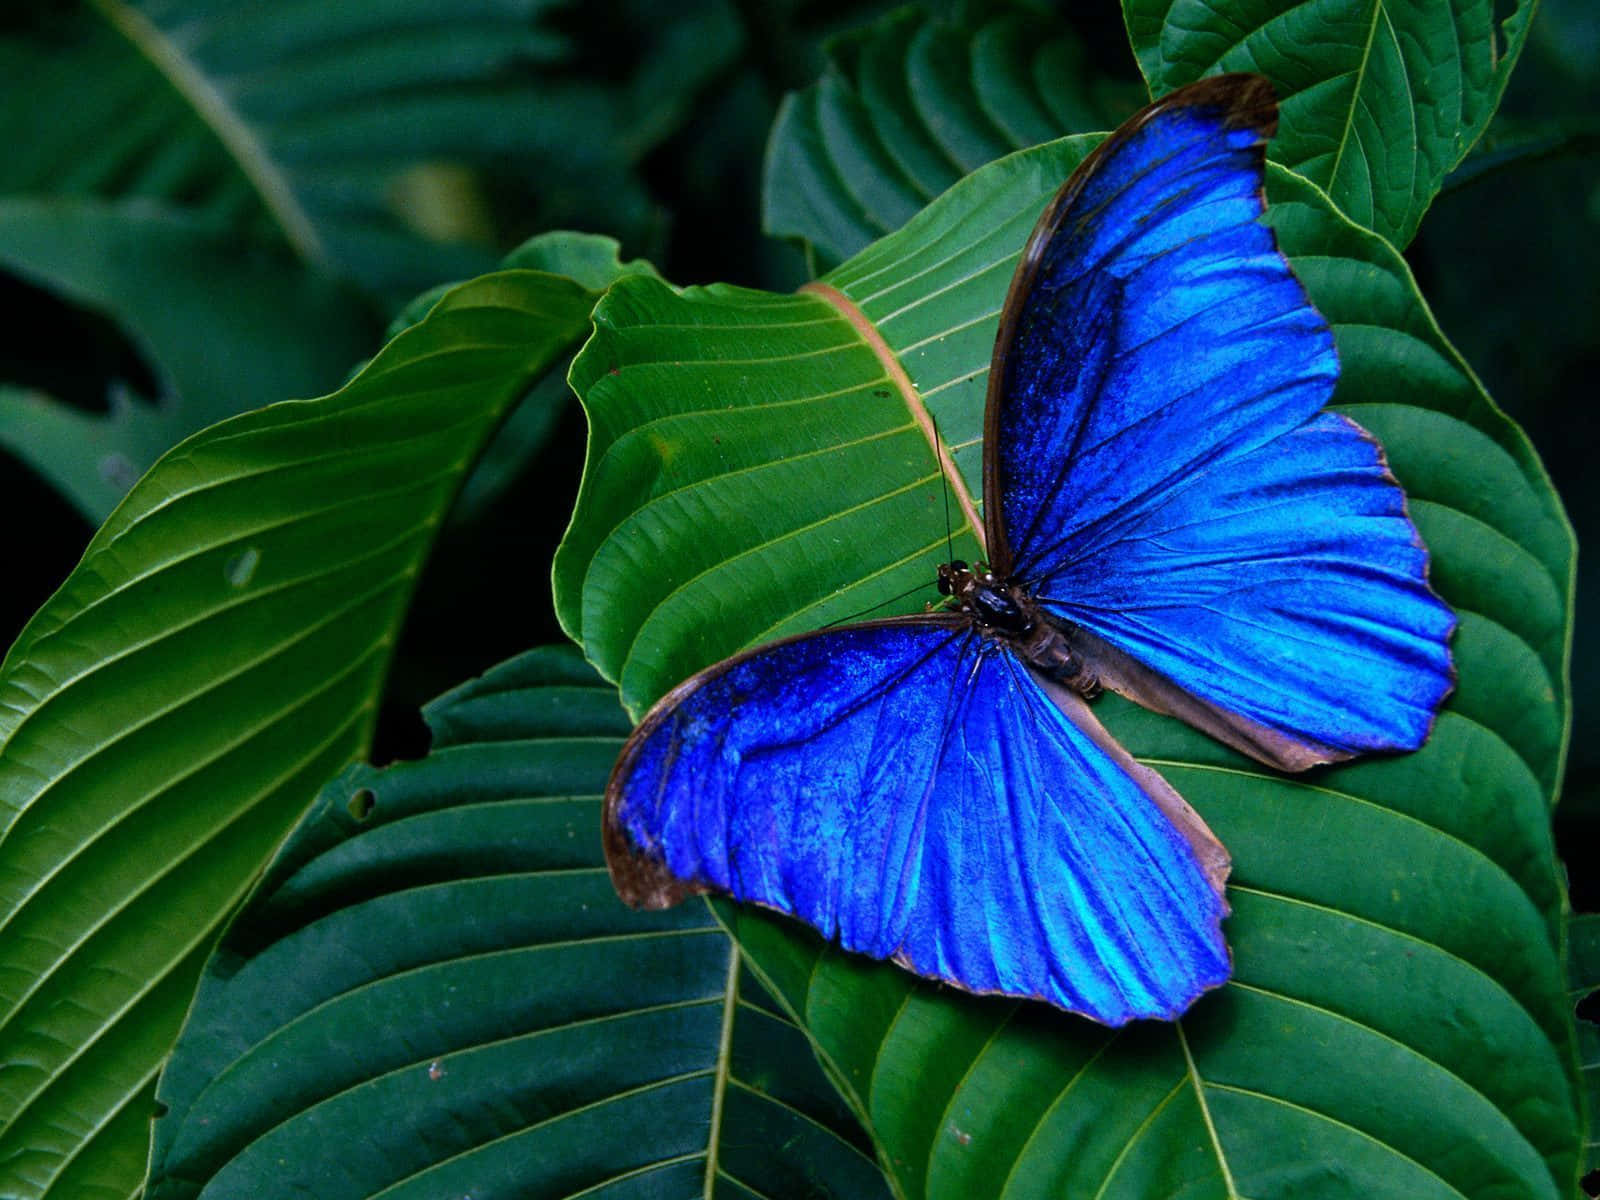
(227, 323)
(1398, 1022)
(438, 943)
(329, 126)
(910, 104)
(1379, 99)
(170, 711)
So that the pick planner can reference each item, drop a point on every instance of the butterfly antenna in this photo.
(857, 615)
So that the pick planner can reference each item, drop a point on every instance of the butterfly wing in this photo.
(1285, 586)
(911, 788)
(1164, 480)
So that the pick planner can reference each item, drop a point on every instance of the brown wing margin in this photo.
(1208, 851)
(1127, 676)
(1243, 102)
(642, 880)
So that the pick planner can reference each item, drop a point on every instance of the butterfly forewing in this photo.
(1164, 479)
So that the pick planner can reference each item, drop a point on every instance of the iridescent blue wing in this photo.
(1285, 586)
(1159, 475)
(910, 787)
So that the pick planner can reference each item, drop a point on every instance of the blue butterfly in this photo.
(1168, 513)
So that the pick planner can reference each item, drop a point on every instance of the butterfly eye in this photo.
(947, 576)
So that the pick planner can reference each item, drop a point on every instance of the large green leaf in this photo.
(1398, 1022)
(909, 105)
(1380, 98)
(227, 323)
(334, 127)
(175, 705)
(436, 966)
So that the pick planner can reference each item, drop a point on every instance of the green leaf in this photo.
(436, 964)
(226, 322)
(909, 105)
(593, 262)
(1398, 1023)
(333, 127)
(1583, 979)
(1379, 99)
(172, 709)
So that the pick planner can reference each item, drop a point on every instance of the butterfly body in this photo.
(1005, 611)
(1168, 513)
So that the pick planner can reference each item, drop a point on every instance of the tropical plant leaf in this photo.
(593, 262)
(1511, 143)
(1583, 980)
(171, 710)
(438, 942)
(910, 104)
(226, 322)
(1398, 1022)
(329, 126)
(1378, 100)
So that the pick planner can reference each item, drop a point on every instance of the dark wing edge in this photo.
(1243, 101)
(1209, 851)
(642, 880)
(1127, 676)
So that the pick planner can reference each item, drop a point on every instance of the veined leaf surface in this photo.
(909, 105)
(1398, 1024)
(435, 964)
(1378, 100)
(171, 710)
(324, 126)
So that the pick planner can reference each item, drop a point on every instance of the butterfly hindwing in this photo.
(1286, 586)
(1164, 478)
(910, 787)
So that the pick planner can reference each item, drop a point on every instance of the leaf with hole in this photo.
(238, 324)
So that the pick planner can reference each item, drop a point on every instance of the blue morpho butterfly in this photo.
(1169, 514)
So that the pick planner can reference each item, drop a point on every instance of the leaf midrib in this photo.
(267, 179)
(1205, 1112)
(719, 1090)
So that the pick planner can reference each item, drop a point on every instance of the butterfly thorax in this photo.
(1004, 610)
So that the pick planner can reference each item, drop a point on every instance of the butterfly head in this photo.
(995, 603)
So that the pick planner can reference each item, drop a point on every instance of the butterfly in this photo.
(1169, 513)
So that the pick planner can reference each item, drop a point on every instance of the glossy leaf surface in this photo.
(175, 705)
(438, 943)
(909, 105)
(1380, 100)
(1398, 1024)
